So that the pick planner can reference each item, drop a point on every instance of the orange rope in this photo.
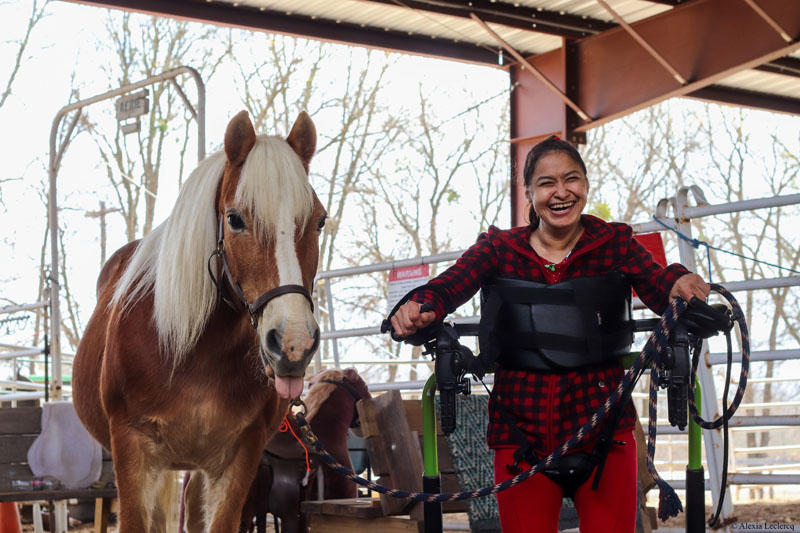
(284, 425)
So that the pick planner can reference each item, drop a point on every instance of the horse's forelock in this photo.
(273, 183)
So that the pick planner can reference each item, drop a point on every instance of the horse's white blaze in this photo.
(289, 314)
(286, 253)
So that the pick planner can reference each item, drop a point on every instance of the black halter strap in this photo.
(346, 386)
(240, 302)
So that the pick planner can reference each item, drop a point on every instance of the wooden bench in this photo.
(393, 429)
(19, 427)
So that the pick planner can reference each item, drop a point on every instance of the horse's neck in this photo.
(229, 330)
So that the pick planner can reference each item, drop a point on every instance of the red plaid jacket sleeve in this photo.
(460, 282)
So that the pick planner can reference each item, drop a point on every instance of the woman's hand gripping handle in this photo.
(410, 317)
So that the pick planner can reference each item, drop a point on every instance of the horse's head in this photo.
(270, 221)
(343, 386)
(356, 384)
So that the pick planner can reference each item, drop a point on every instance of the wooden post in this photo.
(101, 214)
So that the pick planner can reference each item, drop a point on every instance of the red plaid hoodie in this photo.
(550, 407)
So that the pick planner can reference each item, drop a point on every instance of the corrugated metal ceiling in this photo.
(397, 15)
(443, 28)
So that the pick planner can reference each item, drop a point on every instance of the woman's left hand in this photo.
(689, 285)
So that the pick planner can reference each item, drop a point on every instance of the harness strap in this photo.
(346, 386)
(262, 300)
(536, 295)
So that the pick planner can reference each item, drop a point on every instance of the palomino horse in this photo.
(281, 483)
(204, 328)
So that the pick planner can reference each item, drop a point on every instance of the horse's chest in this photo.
(204, 432)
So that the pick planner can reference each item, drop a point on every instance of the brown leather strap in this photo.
(240, 300)
(262, 300)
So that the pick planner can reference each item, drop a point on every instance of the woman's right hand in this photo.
(407, 320)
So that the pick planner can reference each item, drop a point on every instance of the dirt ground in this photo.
(781, 513)
(777, 513)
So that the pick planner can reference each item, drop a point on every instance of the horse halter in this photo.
(241, 302)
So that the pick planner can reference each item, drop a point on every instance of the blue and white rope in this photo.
(652, 354)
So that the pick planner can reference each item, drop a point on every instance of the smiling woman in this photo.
(556, 186)
(563, 284)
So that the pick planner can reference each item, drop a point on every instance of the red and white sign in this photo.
(402, 280)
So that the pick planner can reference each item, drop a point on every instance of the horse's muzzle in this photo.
(288, 358)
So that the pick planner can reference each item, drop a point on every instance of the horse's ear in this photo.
(303, 138)
(239, 138)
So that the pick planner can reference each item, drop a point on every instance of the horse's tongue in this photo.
(288, 386)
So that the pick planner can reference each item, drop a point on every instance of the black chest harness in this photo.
(525, 325)
(565, 326)
(578, 323)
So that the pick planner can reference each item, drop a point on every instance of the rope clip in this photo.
(300, 404)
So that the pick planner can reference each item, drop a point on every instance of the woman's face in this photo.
(558, 190)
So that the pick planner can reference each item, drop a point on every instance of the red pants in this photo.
(533, 506)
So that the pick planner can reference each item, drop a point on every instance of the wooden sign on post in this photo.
(133, 105)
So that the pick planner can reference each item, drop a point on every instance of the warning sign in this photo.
(402, 280)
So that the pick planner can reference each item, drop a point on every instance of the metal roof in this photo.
(448, 29)
(535, 28)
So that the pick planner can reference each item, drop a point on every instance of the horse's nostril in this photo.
(313, 346)
(274, 341)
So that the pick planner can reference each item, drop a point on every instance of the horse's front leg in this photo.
(227, 490)
(139, 479)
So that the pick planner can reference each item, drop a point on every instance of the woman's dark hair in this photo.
(551, 144)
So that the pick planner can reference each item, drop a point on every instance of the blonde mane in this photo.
(170, 262)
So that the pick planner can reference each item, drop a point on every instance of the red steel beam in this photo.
(612, 76)
(706, 40)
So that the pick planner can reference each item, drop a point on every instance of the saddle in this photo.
(282, 483)
(291, 482)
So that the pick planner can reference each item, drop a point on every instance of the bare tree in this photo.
(145, 47)
(741, 171)
(294, 75)
(636, 161)
(20, 46)
(19, 49)
(413, 201)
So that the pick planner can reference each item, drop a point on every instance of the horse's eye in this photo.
(321, 223)
(235, 222)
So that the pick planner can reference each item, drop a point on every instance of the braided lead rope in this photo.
(653, 351)
(668, 502)
(738, 317)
